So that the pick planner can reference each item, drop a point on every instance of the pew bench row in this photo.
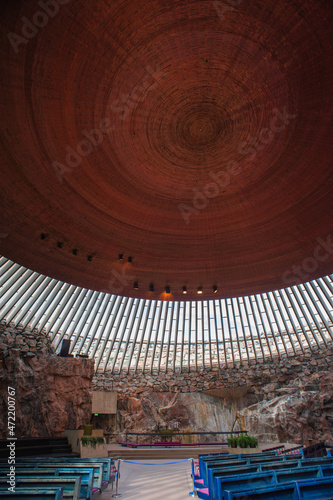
(320, 489)
(206, 487)
(206, 461)
(80, 479)
(35, 493)
(222, 485)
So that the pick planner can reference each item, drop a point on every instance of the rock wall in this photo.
(18, 342)
(52, 393)
(286, 400)
(290, 399)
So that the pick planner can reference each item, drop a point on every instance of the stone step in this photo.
(162, 453)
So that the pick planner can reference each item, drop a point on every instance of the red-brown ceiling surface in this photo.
(193, 136)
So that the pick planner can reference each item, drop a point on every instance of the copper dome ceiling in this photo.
(193, 137)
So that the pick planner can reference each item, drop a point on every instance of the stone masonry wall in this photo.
(52, 393)
(290, 399)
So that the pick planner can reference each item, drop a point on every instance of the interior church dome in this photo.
(148, 145)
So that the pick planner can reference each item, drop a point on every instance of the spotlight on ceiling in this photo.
(130, 259)
(151, 287)
(136, 285)
(74, 251)
(120, 256)
(167, 289)
(184, 290)
(60, 244)
(200, 290)
(215, 289)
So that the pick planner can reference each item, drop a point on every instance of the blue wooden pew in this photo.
(315, 489)
(245, 459)
(32, 493)
(106, 462)
(278, 458)
(211, 469)
(98, 483)
(27, 471)
(258, 476)
(274, 492)
(205, 465)
(279, 465)
(251, 481)
(213, 472)
(246, 481)
(107, 465)
(241, 456)
(86, 476)
(317, 461)
(70, 485)
(204, 491)
(295, 471)
(87, 480)
(327, 470)
(298, 474)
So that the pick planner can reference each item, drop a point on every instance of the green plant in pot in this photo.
(253, 441)
(243, 441)
(92, 441)
(232, 441)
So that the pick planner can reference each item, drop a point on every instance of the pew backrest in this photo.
(221, 484)
(281, 491)
(314, 489)
(87, 479)
(86, 475)
(247, 481)
(32, 493)
(279, 465)
(26, 471)
(106, 462)
(298, 474)
(97, 469)
(317, 461)
(70, 485)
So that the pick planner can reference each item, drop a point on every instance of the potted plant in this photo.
(93, 447)
(232, 441)
(247, 441)
(243, 441)
(253, 441)
(92, 441)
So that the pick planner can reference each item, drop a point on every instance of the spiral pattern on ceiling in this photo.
(192, 138)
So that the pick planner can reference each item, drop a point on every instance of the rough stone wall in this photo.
(19, 342)
(286, 400)
(52, 393)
